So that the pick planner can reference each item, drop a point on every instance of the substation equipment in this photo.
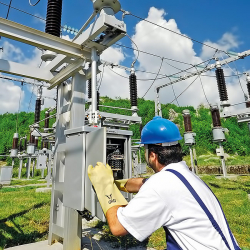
(189, 139)
(83, 136)
(241, 115)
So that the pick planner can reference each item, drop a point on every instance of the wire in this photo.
(189, 84)
(154, 79)
(203, 89)
(100, 81)
(132, 65)
(174, 93)
(151, 54)
(23, 11)
(8, 11)
(145, 20)
(34, 4)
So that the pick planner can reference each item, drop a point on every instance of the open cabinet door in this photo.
(96, 142)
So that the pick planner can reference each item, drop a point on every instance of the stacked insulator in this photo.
(32, 139)
(36, 142)
(215, 116)
(98, 99)
(53, 18)
(187, 121)
(133, 89)
(89, 86)
(37, 110)
(221, 84)
(15, 141)
(46, 125)
(25, 144)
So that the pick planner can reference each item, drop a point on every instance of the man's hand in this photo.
(107, 192)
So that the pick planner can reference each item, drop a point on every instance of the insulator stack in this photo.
(215, 116)
(32, 138)
(15, 141)
(187, 121)
(221, 84)
(133, 89)
(53, 18)
(46, 145)
(36, 142)
(46, 125)
(89, 86)
(37, 110)
(25, 144)
(248, 104)
(248, 88)
(98, 99)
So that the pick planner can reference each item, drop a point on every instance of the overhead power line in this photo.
(144, 19)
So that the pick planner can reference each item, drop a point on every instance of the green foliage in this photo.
(238, 140)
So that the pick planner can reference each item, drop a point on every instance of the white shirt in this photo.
(164, 200)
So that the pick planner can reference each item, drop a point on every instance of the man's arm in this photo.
(133, 185)
(115, 226)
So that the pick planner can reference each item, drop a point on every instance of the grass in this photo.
(24, 215)
(23, 182)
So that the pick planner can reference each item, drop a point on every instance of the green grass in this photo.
(214, 160)
(24, 216)
(23, 182)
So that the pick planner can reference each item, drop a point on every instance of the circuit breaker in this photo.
(87, 147)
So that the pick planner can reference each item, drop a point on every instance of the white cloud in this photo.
(9, 96)
(227, 42)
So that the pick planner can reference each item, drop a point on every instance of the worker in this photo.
(173, 198)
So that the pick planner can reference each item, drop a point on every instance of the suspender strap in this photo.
(203, 206)
(230, 232)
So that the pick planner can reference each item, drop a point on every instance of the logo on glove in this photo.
(110, 199)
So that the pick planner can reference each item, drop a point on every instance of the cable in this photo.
(203, 89)
(188, 85)
(34, 4)
(151, 54)
(145, 20)
(23, 11)
(174, 93)
(154, 79)
(132, 65)
(100, 81)
(8, 11)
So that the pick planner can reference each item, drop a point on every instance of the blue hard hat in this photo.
(160, 130)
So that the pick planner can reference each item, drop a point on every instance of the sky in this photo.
(219, 24)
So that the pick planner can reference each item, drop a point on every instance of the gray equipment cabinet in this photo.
(86, 146)
(5, 175)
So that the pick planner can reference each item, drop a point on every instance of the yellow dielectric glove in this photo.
(107, 192)
(121, 184)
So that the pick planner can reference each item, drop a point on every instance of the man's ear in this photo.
(153, 156)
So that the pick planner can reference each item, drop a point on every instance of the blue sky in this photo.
(221, 24)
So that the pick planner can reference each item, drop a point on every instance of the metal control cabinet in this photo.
(86, 146)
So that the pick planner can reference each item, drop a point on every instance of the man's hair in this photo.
(166, 154)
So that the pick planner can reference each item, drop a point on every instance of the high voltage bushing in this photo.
(218, 131)
(32, 138)
(248, 90)
(98, 99)
(53, 18)
(89, 86)
(187, 121)
(46, 124)
(36, 142)
(188, 135)
(221, 84)
(37, 110)
(14, 150)
(133, 89)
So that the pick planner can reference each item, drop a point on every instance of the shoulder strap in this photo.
(205, 209)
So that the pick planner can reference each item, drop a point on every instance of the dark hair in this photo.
(166, 154)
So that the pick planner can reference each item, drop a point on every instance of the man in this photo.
(174, 197)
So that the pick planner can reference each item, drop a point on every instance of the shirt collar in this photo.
(176, 166)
